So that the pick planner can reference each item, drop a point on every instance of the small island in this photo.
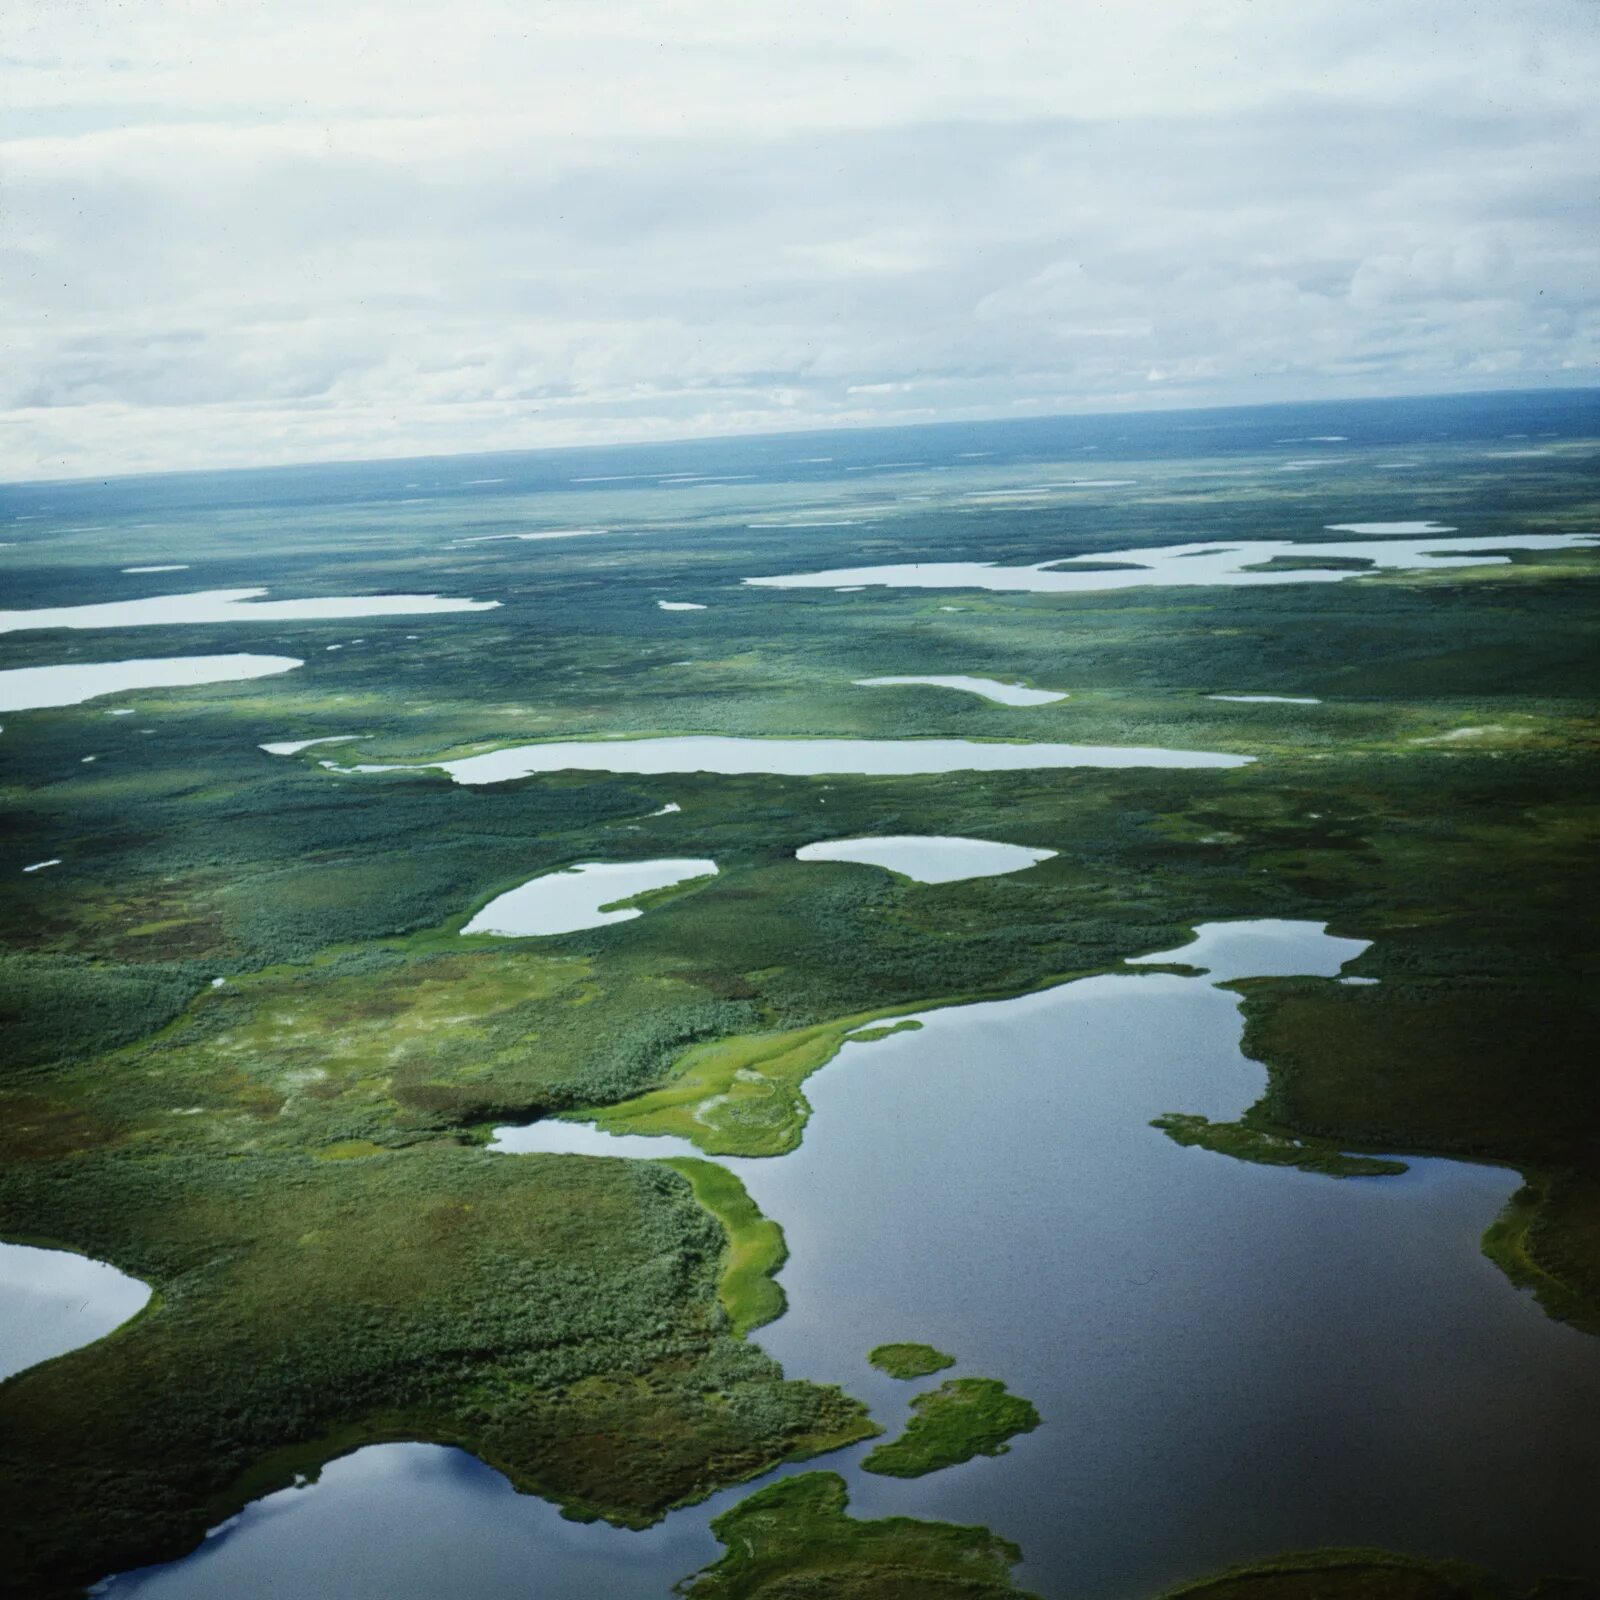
(962, 1418)
(909, 1360)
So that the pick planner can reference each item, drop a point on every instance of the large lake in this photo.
(1229, 1359)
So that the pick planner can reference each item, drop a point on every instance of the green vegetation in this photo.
(962, 1418)
(794, 1540)
(1245, 1143)
(748, 1289)
(557, 1315)
(909, 1360)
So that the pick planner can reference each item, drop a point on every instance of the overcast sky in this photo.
(243, 231)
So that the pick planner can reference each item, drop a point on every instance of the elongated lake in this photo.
(1229, 1359)
(232, 605)
(33, 688)
(1185, 565)
(803, 757)
(1005, 694)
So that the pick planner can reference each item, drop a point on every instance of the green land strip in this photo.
(1244, 1143)
(794, 1539)
(909, 1360)
(962, 1418)
(748, 1288)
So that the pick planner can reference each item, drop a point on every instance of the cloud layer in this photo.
(251, 232)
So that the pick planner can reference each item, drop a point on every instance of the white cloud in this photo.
(240, 232)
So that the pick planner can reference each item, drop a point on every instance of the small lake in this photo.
(928, 858)
(293, 747)
(232, 605)
(1230, 1360)
(1267, 699)
(802, 757)
(33, 688)
(53, 1301)
(1185, 565)
(565, 901)
(1005, 694)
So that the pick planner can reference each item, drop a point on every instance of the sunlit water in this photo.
(1229, 1360)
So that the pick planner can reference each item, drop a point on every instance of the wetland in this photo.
(1285, 1227)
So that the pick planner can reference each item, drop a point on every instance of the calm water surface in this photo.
(53, 1301)
(1230, 1360)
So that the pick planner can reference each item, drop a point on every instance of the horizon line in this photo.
(1589, 387)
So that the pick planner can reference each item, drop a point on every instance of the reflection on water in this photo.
(1229, 1359)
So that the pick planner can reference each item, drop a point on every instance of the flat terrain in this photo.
(292, 1157)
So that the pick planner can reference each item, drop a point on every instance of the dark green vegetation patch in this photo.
(962, 1418)
(794, 1541)
(1245, 1143)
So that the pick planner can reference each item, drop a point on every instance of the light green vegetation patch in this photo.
(755, 1249)
(909, 1360)
(962, 1418)
(1245, 1143)
(872, 1035)
(795, 1540)
(738, 1096)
